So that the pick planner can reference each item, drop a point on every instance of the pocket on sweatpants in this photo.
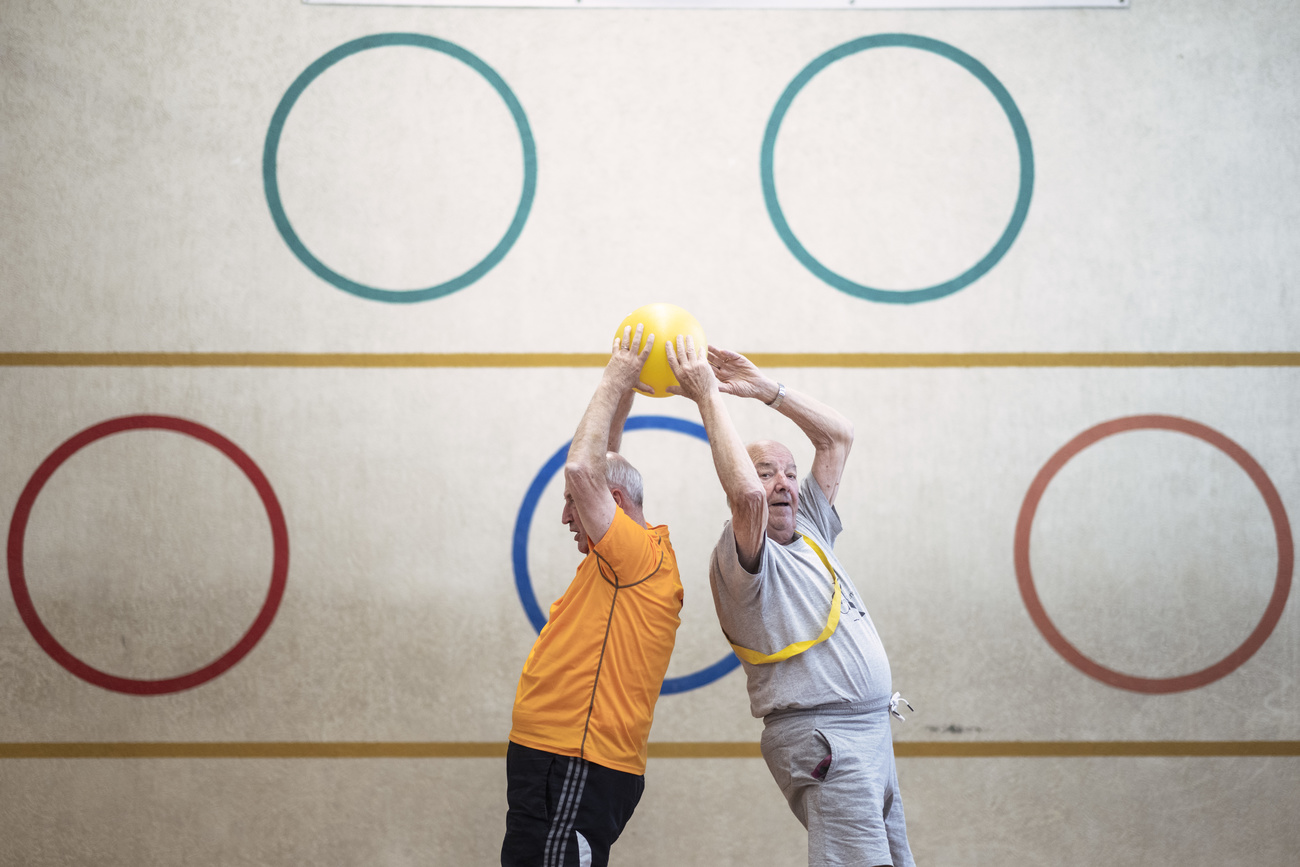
(826, 750)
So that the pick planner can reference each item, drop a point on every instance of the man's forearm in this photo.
(735, 470)
(616, 424)
(824, 426)
(739, 376)
(595, 430)
(745, 494)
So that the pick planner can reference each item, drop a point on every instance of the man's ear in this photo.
(620, 498)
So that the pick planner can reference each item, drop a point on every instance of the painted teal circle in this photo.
(962, 59)
(310, 74)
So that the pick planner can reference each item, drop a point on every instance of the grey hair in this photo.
(622, 475)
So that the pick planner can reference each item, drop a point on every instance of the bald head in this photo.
(768, 449)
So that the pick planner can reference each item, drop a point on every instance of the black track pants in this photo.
(564, 811)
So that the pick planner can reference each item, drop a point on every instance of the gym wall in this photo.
(300, 304)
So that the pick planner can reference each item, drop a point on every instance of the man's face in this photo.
(777, 472)
(570, 516)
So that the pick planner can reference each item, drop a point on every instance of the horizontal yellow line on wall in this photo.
(582, 359)
(300, 359)
(253, 750)
(662, 750)
(1083, 749)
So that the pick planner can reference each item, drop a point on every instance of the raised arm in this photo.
(830, 433)
(601, 430)
(745, 494)
(621, 413)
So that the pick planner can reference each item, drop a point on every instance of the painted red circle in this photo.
(18, 580)
(1281, 526)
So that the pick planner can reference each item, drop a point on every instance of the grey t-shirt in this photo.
(787, 601)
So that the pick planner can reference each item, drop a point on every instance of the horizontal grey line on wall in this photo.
(741, 4)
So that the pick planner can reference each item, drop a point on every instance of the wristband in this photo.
(780, 396)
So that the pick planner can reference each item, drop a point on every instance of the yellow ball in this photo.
(665, 322)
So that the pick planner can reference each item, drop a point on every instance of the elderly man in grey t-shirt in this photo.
(817, 673)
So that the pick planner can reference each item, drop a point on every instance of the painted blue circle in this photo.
(524, 523)
(272, 186)
(943, 49)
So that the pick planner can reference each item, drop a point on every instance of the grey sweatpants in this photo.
(850, 804)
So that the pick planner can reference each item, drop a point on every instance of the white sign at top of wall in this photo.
(745, 4)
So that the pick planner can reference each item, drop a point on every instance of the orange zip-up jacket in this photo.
(590, 683)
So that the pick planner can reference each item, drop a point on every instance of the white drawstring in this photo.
(893, 705)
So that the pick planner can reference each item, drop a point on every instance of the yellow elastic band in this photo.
(753, 657)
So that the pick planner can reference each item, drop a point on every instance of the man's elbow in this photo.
(835, 436)
(581, 474)
(749, 507)
(843, 435)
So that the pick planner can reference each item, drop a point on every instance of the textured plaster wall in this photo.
(134, 218)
